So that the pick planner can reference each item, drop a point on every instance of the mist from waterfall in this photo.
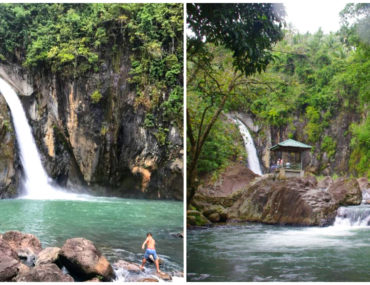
(36, 182)
(253, 162)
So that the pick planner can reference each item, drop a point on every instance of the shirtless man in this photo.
(150, 250)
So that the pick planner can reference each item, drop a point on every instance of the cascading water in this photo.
(355, 216)
(253, 162)
(36, 182)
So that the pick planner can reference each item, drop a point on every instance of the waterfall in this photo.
(36, 182)
(358, 216)
(253, 162)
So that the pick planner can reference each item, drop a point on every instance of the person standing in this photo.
(150, 250)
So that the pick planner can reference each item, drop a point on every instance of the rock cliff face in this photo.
(267, 199)
(103, 144)
(319, 161)
(9, 179)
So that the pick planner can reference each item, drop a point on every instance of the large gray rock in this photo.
(164, 276)
(44, 273)
(325, 183)
(128, 266)
(84, 261)
(27, 246)
(346, 191)
(9, 177)
(9, 262)
(363, 182)
(17, 78)
(48, 255)
(196, 218)
(118, 155)
(292, 201)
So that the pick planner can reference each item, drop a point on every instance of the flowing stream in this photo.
(253, 162)
(257, 252)
(118, 227)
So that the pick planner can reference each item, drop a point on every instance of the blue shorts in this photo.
(150, 252)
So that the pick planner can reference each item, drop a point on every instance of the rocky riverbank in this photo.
(267, 199)
(22, 259)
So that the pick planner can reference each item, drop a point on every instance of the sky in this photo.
(310, 15)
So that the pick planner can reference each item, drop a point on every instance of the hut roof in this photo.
(290, 146)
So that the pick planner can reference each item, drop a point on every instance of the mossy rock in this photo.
(216, 213)
(196, 218)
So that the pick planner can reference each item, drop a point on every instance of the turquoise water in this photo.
(118, 227)
(256, 252)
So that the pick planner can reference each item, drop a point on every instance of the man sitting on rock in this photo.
(150, 251)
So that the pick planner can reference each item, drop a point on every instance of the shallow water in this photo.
(118, 227)
(256, 252)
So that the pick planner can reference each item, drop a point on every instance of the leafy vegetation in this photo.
(72, 40)
(315, 84)
(96, 96)
(245, 33)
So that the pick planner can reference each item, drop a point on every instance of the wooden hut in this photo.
(294, 166)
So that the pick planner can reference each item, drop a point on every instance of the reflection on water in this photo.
(254, 252)
(117, 226)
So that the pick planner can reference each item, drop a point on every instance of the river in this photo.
(118, 227)
(257, 252)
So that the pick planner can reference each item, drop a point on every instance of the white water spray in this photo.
(355, 216)
(36, 181)
(253, 162)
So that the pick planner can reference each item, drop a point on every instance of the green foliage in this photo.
(6, 125)
(246, 29)
(157, 63)
(315, 81)
(72, 40)
(329, 146)
(161, 135)
(173, 107)
(230, 43)
(221, 147)
(313, 127)
(360, 143)
(104, 129)
(96, 96)
(149, 121)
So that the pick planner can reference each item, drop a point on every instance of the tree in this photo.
(248, 31)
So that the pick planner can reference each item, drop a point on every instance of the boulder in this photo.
(365, 188)
(48, 255)
(196, 218)
(309, 180)
(44, 273)
(23, 269)
(147, 279)
(214, 217)
(292, 201)
(235, 177)
(178, 235)
(84, 261)
(129, 266)
(164, 276)
(215, 213)
(9, 262)
(325, 183)
(346, 191)
(363, 182)
(27, 246)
